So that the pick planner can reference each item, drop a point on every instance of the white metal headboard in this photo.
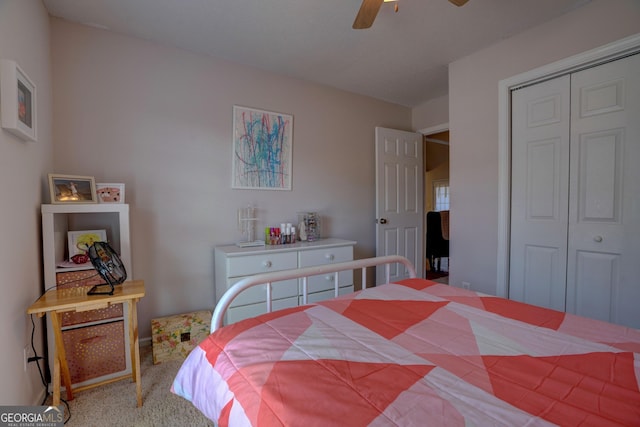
(304, 273)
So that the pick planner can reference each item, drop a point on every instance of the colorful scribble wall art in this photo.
(262, 142)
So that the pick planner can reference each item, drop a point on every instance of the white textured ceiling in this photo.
(402, 58)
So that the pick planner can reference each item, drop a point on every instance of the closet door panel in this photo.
(541, 270)
(541, 192)
(540, 156)
(599, 177)
(603, 270)
(598, 285)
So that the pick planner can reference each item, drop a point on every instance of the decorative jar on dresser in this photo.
(233, 263)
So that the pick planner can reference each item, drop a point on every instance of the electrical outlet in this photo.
(466, 285)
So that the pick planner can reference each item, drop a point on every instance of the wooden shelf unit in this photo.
(98, 345)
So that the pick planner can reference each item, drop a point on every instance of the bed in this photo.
(412, 353)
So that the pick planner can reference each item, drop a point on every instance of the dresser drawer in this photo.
(261, 263)
(258, 294)
(235, 314)
(320, 296)
(326, 282)
(322, 256)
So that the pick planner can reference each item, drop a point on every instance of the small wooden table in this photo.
(55, 302)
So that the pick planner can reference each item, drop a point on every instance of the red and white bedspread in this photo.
(416, 353)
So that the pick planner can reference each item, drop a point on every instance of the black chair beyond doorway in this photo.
(437, 241)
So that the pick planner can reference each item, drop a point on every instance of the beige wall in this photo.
(24, 38)
(473, 120)
(434, 112)
(159, 119)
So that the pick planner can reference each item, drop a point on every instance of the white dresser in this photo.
(233, 263)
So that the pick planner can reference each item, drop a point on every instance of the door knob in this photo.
(382, 221)
(597, 239)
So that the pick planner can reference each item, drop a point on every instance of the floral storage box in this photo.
(175, 336)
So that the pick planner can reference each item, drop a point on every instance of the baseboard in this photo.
(43, 394)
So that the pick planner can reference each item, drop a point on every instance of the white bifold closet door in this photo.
(575, 202)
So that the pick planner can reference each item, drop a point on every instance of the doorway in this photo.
(436, 203)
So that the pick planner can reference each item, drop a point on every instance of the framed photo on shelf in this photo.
(110, 193)
(79, 241)
(72, 189)
(18, 103)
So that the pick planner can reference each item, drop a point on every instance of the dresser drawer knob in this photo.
(329, 257)
(267, 264)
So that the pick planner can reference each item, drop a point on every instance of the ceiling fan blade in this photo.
(367, 14)
(458, 2)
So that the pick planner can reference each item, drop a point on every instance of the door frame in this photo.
(609, 52)
(442, 127)
(434, 129)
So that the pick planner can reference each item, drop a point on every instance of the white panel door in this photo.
(603, 272)
(399, 199)
(539, 193)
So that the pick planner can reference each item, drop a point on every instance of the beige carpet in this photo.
(114, 405)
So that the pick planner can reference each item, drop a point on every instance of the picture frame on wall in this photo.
(65, 189)
(262, 149)
(110, 192)
(18, 101)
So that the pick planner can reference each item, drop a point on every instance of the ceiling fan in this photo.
(369, 9)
